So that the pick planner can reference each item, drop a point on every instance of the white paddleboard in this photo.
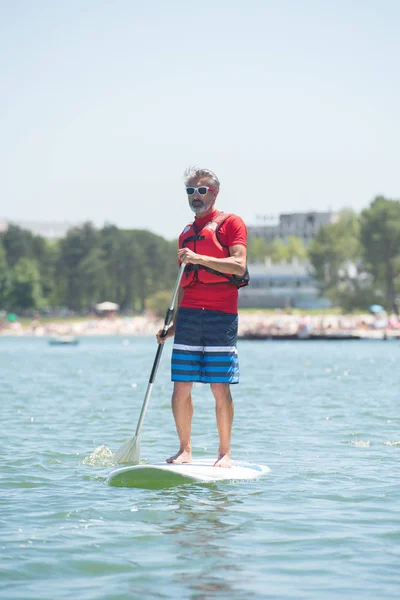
(201, 470)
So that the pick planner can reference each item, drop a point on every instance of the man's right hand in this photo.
(170, 333)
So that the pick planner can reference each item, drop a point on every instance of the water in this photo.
(324, 524)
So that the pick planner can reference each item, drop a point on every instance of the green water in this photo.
(323, 524)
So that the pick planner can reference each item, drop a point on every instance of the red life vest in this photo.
(207, 241)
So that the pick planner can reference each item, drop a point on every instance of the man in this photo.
(205, 327)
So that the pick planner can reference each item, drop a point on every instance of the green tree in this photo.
(125, 264)
(71, 274)
(46, 253)
(380, 238)
(296, 248)
(279, 251)
(85, 267)
(18, 243)
(159, 303)
(159, 268)
(258, 249)
(335, 255)
(92, 276)
(26, 291)
(5, 279)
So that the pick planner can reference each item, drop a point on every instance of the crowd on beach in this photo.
(89, 326)
(281, 324)
(255, 324)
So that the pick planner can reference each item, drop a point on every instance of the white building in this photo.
(281, 285)
(302, 225)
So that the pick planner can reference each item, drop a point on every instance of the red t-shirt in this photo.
(222, 297)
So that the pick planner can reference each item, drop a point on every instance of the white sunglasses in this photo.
(203, 189)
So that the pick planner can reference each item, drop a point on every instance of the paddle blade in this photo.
(129, 453)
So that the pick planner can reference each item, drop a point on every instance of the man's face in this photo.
(201, 203)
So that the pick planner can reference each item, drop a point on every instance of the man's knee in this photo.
(221, 391)
(182, 388)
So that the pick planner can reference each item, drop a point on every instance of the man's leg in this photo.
(182, 408)
(224, 411)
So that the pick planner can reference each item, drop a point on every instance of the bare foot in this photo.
(224, 461)
(180, 458)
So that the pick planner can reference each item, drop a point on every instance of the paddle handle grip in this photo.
(170, 310)
(156, 363)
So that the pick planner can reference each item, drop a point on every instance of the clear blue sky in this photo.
(293, 103)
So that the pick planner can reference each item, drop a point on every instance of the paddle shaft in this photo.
(167, 322)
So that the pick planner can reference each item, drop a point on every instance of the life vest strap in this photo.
(193, 238)
(195, 268)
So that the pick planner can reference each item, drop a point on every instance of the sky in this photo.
(103, 104)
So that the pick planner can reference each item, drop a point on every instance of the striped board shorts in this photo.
(204, 347)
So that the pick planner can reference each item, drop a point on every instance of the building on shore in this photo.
(302, 225)
(286, 284)
(282, 285)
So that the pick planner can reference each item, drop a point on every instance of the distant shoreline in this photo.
(252, 325)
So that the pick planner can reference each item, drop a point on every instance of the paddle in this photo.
(129, 452)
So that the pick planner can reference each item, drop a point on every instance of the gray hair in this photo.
(193, 172)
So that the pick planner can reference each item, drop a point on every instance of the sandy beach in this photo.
(251, 325)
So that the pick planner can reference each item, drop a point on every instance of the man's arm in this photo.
(235, 264)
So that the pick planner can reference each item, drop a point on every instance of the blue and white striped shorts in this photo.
(205, 347)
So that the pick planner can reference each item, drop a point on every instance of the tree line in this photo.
(356, 262)
(85, 267)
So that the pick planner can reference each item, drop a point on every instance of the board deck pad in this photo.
(200, 470)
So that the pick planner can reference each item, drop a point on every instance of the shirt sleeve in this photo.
(233, 232)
